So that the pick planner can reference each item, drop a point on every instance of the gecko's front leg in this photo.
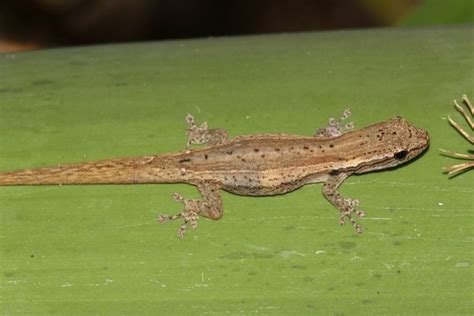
(210, 206)
(346, 206)
(336, 127)
(203, 134)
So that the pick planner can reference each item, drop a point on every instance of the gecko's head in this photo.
(400, 142)
(411, 141)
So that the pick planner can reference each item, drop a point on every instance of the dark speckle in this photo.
(331, 145)
(263, 156)
(277, 149)
(185, 160)
(305, 147)
(229, 152)
(256, 150)
(205, 156)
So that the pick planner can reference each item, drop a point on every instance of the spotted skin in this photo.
(258, 165)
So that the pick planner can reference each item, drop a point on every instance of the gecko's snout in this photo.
(424, 137)
(419, 140)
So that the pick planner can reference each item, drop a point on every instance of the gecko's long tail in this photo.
(121, 171)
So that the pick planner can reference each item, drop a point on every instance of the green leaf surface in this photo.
(436, 12)
(97, 249)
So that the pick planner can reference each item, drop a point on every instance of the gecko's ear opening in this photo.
(401, 154)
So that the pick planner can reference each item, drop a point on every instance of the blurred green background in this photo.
(81, 250)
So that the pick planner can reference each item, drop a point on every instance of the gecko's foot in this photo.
(209, 206)
(203, 134)
(348, 211)
(189, 215)
(336, 127)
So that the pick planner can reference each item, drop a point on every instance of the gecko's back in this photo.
(256, 161)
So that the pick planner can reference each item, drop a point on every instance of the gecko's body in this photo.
(262, 164)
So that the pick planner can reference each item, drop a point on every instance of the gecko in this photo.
(252, 165)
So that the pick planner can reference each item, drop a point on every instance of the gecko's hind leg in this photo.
(347, 207)
(336, 127)
(203, 134)
(210, 206)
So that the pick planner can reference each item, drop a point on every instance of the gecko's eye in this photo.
(401, 154)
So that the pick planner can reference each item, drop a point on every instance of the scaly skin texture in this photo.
(261, 164)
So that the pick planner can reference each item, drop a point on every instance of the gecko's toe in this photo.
(181, 231)
(166, 218)
(194, 222)
(358, 228)
(342, 221)
(162, 219)
(178, 197)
